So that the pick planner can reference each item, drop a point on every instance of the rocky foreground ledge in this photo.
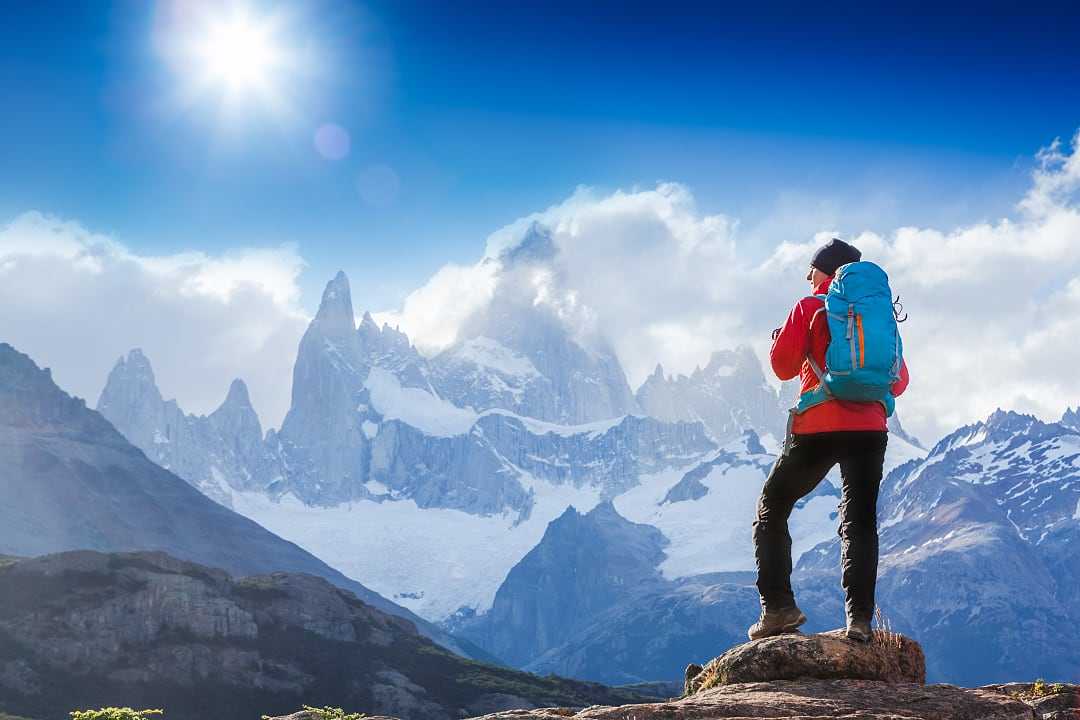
(813, 677)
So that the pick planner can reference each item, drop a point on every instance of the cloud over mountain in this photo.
(994, 306)
(78, 300)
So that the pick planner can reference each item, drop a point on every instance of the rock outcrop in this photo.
(1050, 701)
(890, 657)
(827, 676)
(810, 700)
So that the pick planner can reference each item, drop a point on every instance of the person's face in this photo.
(815, 277)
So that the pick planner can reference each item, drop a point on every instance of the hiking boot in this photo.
(777, 622)
(858, 630)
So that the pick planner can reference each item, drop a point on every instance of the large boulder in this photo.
(888, 657)
(809, 698)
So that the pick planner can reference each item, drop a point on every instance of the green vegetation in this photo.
(113, 713)
(328, 713)
(1040, 688)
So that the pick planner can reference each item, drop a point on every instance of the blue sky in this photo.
(489, 111)
(912, 132)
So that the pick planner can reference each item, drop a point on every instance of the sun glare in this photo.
(230, 54)
(239, 53)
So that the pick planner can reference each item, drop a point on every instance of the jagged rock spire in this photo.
(1071, 418)
(238, 395)
(335, 316)
(130, 389)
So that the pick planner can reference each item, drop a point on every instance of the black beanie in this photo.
(833, 254)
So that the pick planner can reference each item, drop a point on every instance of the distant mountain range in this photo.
(978, 562)
(444, 482)
(72, 482)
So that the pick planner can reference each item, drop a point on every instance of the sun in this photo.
(230, 55)
(239, 53)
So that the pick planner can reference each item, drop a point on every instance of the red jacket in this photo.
(788, 356)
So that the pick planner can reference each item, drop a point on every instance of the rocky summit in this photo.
(889, 657)
(813, 677)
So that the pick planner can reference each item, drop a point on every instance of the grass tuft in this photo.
(883, 635)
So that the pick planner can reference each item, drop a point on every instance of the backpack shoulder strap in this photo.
(816, 312)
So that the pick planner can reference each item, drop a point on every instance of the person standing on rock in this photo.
(843, 344)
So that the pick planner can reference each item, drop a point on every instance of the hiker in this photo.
(824, 430)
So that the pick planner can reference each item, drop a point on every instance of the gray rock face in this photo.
(610, 456)
(889, 657)
(390, 349)
(334, 440)
(1071, 418)
(430, 469)
(72, 481)
(729, 395)
(149, 628)
(322, 442)
(583, 565)
(215, 452)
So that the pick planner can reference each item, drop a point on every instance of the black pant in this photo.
(861, 454)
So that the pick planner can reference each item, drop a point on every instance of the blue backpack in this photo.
(865, 351)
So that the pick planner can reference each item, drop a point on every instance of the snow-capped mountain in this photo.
(432, 501)
(519, 354)
(728, 395)
(429, 501)
(1071, 418)
(978, 563)
(978, 551)
(215, 453)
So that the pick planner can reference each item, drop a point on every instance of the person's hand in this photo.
(776, 333)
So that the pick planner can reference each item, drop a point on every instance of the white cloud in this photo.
(75, 301)
(432, 314)
(994, 307)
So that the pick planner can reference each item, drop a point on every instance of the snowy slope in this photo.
(721, 517)
(430, 560)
